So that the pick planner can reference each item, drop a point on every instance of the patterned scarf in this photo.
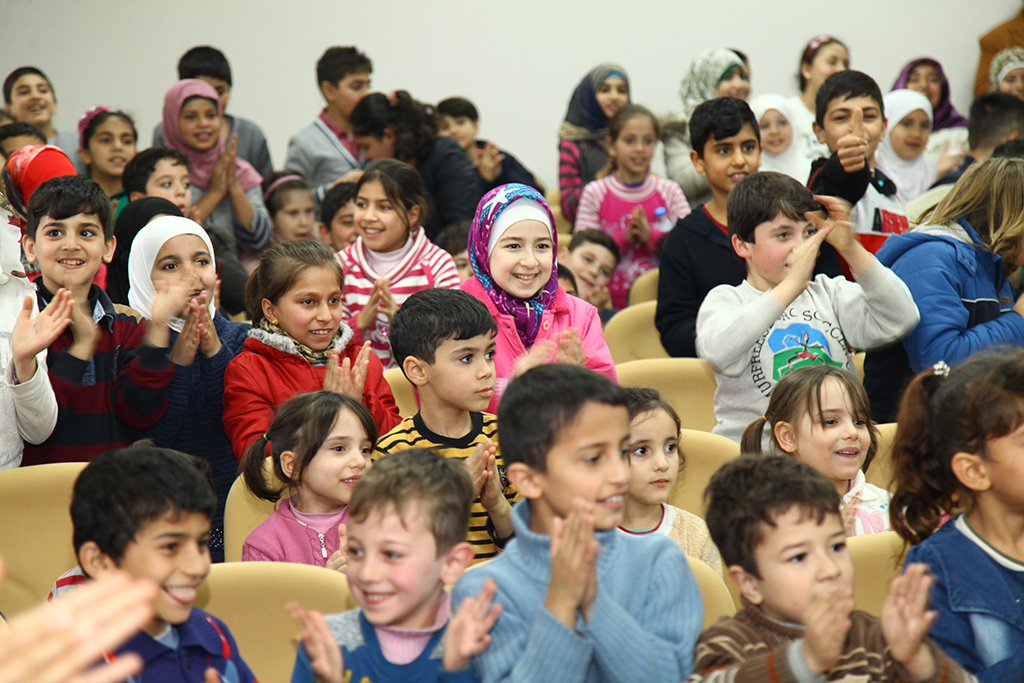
(527, 313)
(312, 356)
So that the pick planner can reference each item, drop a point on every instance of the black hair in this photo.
(747, 495)
(121, 491)
(413, 123)
(811, 51)
(204, 61)
(301, 425)
(280, 266)
(844, 86)
(1011, 149)
(17, 130)
(457, 107)
(454, 238)
(336, 197)
(439, 487)
(430, 317)
(13, 77)
(598, 237)
(992, 118)
(565, 274)
(539, 404)
(720, 118)
(68, 196)
(763, 197)
(338, 62)
(102, 117)
(138, 171)
(402, 186)
(274, 200)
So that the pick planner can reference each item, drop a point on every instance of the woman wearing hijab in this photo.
(948, 141)
(581, 153)
(714, 73)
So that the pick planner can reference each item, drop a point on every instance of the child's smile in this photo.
(522, 260)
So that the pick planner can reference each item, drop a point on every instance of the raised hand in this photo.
(488, 162)
(209, 342)
(323, 650)
(84, 332)
(492, 496)
(469, 631)
(852, 148)
(542, 352)
(849, 514)
(338, 561)
(826, 624)
(185, 347)
(32, 335)
(387, 304)
(573, 557)
(476, 465)
(905, 621)
(639, 230)
(230, 158)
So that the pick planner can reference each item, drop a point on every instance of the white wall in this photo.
(518, 61)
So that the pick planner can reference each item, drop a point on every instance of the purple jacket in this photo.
(282, 538)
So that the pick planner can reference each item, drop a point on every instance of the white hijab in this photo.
(145, 247)
(792, 161)
(914, 177)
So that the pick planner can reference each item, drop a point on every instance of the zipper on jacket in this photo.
(323, 546)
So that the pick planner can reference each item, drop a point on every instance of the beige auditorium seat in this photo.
(687, 383)
(631, 334)
(645, 288)
(405, 394)
(877, 560)
(563, 226)
(705, 453)
(252, 598)
(243, 512)
(880, 471)
(35, 531)
(718, 601)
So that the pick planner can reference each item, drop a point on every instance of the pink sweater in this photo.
(564, 313)
(282, 538)
(425, 266)
(606, 205)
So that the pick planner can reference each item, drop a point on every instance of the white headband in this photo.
(522, 209)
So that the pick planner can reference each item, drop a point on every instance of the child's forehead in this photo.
(851, 102)
(595, 249)
(593, 423)
(169, 165)
(174, 522)
(780, 221)
(386, 522)
(79, 220)
(746, 133)
(482, 340)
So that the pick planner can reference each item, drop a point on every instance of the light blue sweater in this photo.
(645, 622)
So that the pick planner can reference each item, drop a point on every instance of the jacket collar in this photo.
(284, 344)
(196, 631)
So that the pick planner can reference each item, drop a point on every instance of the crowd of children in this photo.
(226, 317)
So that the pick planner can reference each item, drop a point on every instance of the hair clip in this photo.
(940, 369)
(816, 43)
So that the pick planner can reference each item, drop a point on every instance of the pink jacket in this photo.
(566, 312)
(282, 538)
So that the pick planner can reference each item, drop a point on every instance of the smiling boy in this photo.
(850, 119)
(443, 339)
(592, 256)
(776, 521)
(582, 601)
(30, 98)
(146, 511)
(779, 318)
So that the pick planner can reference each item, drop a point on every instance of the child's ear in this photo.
(288, 464)
(328, 90)
(268, 311)
(456, 560)
(85, 155)
(29, 245)
(413, 216)
(135, 195)
(414, 370)
(820, 132)
(528, 481)
(698, 163)
(747, 584)
(609, 146)
(972, 471)
(108, 249)
(785, 437)
(95, 563)
(741, 248)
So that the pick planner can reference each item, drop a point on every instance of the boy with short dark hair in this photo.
(697, 255)
(14, 136)
(443, 339)
(146, 511)
(325, 152)
(582, 601)
(455, 240)
(209, 64)
(338, 216)
(406, 540)
(994, 118)
(592, 256)
(850, 119)
(457, 119)
(159, 172)
(776, 522)
(109, 369)
(779, 318)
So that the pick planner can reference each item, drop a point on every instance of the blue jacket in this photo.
(203, 641)
(965, 301)
(980, 624)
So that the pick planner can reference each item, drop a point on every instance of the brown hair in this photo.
(280, 266)
(940, 416)
(301, 425)
(798, 393)
(616, 124)
(643, 400)
(402, 186)
(989, 196)
(439, 488)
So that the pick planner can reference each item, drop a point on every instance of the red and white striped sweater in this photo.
(425, 266)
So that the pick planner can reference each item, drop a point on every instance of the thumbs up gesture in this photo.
(852, 148)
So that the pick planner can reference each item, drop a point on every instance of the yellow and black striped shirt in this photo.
(412, 433)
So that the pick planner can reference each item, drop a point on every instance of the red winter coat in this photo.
(262, 377)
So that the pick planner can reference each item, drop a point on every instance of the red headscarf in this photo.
(201, 162)
(30, 167)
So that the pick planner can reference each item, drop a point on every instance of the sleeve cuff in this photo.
(798, 663)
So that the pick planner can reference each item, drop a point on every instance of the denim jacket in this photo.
(980, 624)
